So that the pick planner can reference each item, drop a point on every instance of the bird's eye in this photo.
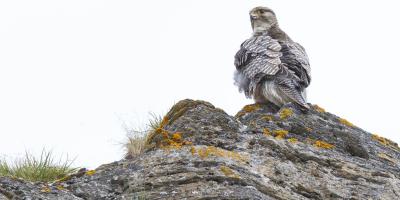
(262, 12)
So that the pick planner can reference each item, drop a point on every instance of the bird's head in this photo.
(262, 19)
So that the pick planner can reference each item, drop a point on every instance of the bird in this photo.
(270, 66)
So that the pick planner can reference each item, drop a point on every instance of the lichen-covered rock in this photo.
(264, 152)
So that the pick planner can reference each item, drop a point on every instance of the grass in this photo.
(42, 169)
(137, 138)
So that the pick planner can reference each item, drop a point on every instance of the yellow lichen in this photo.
(280, 134)
(285, 113)
(65, 178)
(247, 109)
(380, 139)
(387, 157)
(345, 122)
(193, 150)
(385, 141)
(205, 152)
(90, 172)
(292, 140)
(267, 132)
(309, 129)
(228, 172)
(60, 187)
(322, 144)
(46, 189)
(319, 109)
(268, 118)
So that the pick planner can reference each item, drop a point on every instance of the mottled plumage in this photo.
(269, 65)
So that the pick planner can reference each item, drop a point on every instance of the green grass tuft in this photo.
(42, 169)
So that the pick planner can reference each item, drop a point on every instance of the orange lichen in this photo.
(90, 172)
(285, 113)
(268, 118)
(319, 109)
(309, 129)
(322, 144)
(175, 141)
(228, 172)
(205, 152)
(345, 122)
(292, 140)
(267, 132)
(280, 134)
(164, 122)
(177, 137)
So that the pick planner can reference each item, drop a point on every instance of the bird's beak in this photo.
(253, 17)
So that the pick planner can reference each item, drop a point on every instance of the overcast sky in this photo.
(72, 72)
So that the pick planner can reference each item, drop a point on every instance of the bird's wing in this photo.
(290, 87)
(295, 58)
(258, 55)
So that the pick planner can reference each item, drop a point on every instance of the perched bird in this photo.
(270, 67)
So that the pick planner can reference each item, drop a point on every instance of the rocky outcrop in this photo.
(200, 152)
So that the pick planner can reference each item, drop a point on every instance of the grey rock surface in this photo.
(200, 152)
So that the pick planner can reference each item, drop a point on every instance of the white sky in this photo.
(71, 72)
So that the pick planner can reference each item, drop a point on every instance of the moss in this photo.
(205, 152)
(345, 122)
(292, 140)
(285, 113)
(319, 109)
(322, 144)
(228, 172)
(90, 172)
(280, 134)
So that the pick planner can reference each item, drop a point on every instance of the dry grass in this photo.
(137, 138)
(31, 168)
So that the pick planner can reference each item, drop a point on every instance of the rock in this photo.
(200, 152)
